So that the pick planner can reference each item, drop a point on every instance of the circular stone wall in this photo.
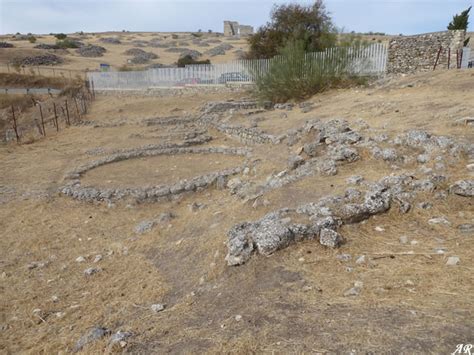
(156, 170)
(131, 167)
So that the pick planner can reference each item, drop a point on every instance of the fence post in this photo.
(449, 58)
(437, 58)
(42, 119)
(77, 109)
(93, 88)
(67, 112)
(55, 117)
(15, 127)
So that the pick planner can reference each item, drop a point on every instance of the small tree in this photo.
(60, 36)
(32, 39)
(311, 25)
(461, 21)
(295, 74)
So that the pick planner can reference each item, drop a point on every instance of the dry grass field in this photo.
(115, 53)
(293, 301)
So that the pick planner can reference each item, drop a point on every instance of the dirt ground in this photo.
(290, 302)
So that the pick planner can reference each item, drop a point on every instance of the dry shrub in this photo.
(18, 101)
(31, 81)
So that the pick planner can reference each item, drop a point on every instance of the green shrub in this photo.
(310, 24)
(296, 75)
(197, 35)
(60, 36)
(67, 43)
(188, 60)
(128, 68)
(32, 39)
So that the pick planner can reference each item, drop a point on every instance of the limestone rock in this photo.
(463, 188)
(92, 335)
(330, 238)
(295, 161)
(157, 307)
(453, 261)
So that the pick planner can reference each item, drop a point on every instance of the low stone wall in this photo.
(176, 91)
(410, 54)
(74, 189)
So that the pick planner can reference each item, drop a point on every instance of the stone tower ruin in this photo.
(233, 29)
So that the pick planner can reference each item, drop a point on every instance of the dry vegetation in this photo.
(115, 53)
(13, 80)
(411, 302)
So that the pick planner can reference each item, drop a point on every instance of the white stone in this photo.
(157, 307)
(453, 261)
(403, 239)
(439, 220)
(80, 259)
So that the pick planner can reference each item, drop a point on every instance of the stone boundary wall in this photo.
(410, 54)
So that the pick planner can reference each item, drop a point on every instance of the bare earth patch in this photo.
(158, 170)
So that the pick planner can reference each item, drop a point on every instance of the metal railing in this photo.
(370, 60)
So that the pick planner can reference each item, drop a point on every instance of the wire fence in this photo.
(45, 116)
(370, 60)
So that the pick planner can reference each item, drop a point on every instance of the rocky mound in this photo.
(140, 43)
(91, 51)
(220, 49)
(110, 40)
(47, 46)
(177, 50)
(134, 51)
(143, 58)
(6, 45)
(44, 59)
(158, 44)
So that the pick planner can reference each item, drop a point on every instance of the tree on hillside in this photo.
(461, 21)
(310, 24)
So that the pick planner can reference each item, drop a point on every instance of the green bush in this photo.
(297, 75)
(188, 60)
(60, 36)
(67, 43)
(32, 39)
(310, 24)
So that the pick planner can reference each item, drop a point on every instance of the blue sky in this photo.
(390, 16)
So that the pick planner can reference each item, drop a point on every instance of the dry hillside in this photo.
(116, 44)
(98, 228)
